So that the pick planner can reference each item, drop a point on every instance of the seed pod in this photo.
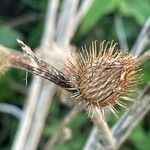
(104, 76)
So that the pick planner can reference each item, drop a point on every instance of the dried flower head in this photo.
(104, 76)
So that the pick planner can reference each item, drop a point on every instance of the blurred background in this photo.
(121, 21)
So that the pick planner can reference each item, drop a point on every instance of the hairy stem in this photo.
(106, 137)
(41, 68)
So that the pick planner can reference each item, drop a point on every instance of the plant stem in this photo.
(105, 134)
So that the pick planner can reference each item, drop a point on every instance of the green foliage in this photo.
(146, 72)
(34, 36)
(5, 82)
(8, 36)
(138, 9)
(140, 138)
(98, 9)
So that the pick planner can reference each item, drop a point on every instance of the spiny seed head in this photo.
(4, 62)
(104, 76)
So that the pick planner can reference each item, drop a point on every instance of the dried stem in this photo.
(120, 31)
(32, 100)
(143, 39)
(144, 57)
(66, 18)
(26, 120)
(65, 21)
(40, 116)
(39, 67)
(46, 92)
(83, 9)
(11, 109)
(105, 134)
(92, 142)
(130, 119)
(59, 136)
(50, 22)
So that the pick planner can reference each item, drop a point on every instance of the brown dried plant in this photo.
(104, 76)
(100, 76)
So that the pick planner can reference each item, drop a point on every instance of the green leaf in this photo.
(52, 129)
(146, 72)
(34, 36)
(139, 9)
(98, 9)
(8, 36)
(140, 138)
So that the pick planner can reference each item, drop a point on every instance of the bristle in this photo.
(104, 76)
(4, 61)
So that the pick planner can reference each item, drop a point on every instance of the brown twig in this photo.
(29, 61)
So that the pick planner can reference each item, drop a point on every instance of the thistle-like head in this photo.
(103, 75)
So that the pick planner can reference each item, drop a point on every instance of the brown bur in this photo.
(104, 76)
